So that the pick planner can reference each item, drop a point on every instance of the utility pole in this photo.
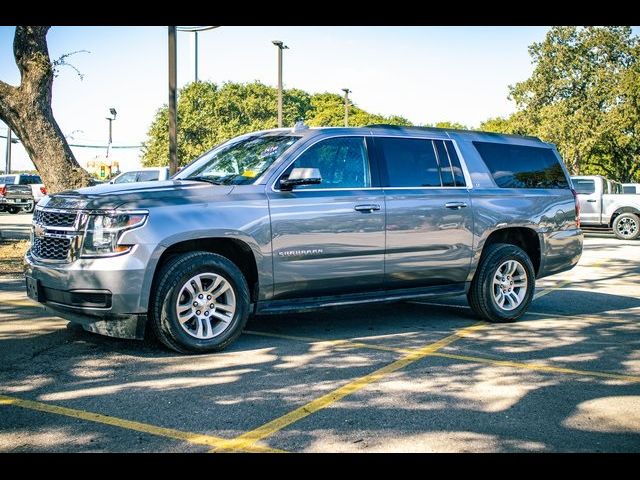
(173, 114)
(281, 47)
(196, 54)
(346, 106)
(7, 168)
(113, 112)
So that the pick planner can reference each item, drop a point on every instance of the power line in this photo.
(86, 146)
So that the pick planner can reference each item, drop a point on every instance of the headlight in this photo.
(104, 230)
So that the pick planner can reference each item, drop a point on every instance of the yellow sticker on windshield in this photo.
(249, 173)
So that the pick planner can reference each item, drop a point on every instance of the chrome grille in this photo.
(54, 219)
(51, 248)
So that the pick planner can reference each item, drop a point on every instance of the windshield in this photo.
(241, 162)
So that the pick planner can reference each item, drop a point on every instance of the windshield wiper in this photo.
(201, 178)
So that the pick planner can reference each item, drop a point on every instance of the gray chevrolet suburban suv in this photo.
(290, 220)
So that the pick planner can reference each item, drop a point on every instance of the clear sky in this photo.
(426, 74)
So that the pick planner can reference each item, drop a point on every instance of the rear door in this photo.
(429, 218)
(590, 198)
(328, 239)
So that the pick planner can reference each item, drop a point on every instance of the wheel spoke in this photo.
(223, 287)
(185, 315)
(197, 280)
(214, 285)
(207, 333)
(221, 316)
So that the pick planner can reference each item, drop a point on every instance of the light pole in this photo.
(281, 46)
(113, 112)
(173, 113)
(7, 168)
(346, 106)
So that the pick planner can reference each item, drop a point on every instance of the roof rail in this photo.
(414, 127)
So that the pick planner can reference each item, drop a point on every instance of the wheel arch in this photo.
(621, 210)
(525, 238)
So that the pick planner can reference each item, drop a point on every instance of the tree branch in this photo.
(6, 91)
(32, 56)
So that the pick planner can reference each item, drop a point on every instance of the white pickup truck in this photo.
(602, 205)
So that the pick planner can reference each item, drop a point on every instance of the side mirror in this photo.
(301, 176)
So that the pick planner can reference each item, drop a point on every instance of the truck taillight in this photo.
(3, 191)
(43, 190)
(575, 199)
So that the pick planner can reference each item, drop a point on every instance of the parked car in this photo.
(631, 188)
(616, 211)
(142, 175)
(20, 192)
(293, 220)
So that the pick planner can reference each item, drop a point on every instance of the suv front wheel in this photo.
(503, 285)
(201, 303)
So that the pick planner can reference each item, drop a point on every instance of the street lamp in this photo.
(281, 46)
(113, 112)
(346, 106)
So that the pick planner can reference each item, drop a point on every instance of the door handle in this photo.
(455, 205)
(366, 208)
(591, 201)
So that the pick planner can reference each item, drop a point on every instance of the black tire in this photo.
(626, 226)
(171, 278)
(481, 293)
(13, 210)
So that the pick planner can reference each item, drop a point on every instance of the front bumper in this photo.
(102, 294)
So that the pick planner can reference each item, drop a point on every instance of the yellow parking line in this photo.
(539, 367)
(467, 358)
(248, 439)
(346, 342)
(195, 438)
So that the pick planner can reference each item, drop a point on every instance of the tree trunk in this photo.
(26, 109)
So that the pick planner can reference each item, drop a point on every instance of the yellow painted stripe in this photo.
(538, 367)
(19, 302)
(195, 438)
(250, 438)
(345, 342)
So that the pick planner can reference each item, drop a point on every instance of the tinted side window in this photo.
(517, 166)
(343, 163)
(450, 167)
(7, 179)
(128, 177)
(148, 175)
(584, 186)
(409, 162)
(626, 189)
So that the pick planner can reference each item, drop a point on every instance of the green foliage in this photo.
(584, 96)
(450, 125)
(209, 115)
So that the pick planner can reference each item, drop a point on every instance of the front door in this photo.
(590, 198)
(328, 239)
(429, 215)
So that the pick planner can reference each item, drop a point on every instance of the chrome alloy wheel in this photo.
(627, 227)
(206, 305)
(509, 285)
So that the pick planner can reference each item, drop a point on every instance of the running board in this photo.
(299, 305)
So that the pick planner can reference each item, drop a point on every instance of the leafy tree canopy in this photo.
(209, 114)
(584, 96)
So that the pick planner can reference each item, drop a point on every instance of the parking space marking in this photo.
(194, 438)
(318, 341)
(538, 367)
(467, 358)
(248, 439)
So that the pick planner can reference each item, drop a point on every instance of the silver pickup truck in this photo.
(603, 205)
(290, 220)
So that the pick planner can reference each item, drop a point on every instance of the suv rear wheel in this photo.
(201, 303)
(626, 226)
(503, 285)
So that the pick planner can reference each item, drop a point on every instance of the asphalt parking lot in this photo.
(407, 377)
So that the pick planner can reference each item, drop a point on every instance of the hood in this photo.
(136, 195)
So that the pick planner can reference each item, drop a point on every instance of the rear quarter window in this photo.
(518, 166)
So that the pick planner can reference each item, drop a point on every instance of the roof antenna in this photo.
(299, 126)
